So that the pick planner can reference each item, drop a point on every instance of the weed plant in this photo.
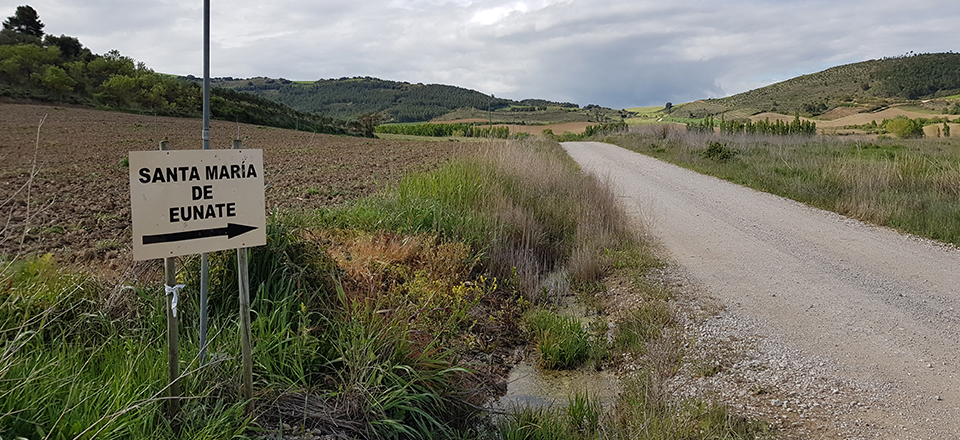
(523, 207)
(560, 340)
(909, 184)
(645, 411)
(69, 371)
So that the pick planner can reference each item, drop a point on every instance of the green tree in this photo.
(25, 21)
(110, 64)
(119, 90)
(668, 107)
(70, 47)
(904, 127)
(19, 63)
(946, 130)
(56, 79)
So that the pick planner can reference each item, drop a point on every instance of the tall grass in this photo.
(68, 371)
(645, 411)
(909, 184)
(522, 206)
(579, 419)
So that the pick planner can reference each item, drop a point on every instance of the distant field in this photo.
(656, 110)
(553, 115)
(572, 127)
(855, 118)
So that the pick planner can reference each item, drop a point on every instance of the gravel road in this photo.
(854, 327)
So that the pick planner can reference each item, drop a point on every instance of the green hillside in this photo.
(865, 85)
(396, 101)
(35, 66)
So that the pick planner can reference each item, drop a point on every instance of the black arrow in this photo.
(232, 230)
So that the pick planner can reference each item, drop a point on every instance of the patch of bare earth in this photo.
(68, 193)
(866, 118)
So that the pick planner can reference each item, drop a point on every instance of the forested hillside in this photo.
(919, 76)
(394, 101)
(42, 67)
(869, 84)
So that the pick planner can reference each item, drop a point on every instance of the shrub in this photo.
(904, 127)
(719, 152)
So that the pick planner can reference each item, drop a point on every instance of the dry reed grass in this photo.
(551, 217)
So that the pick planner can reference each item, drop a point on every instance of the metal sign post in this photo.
(204, 259)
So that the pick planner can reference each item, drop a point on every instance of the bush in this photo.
(719, 152)
(904, 127)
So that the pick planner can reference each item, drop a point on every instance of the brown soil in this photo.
(841, 112)
(572, 127)
(79, 201)
(865, 118)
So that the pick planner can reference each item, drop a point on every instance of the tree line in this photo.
(447, 130)
(34, 65)
(777, 127)
(589, 132)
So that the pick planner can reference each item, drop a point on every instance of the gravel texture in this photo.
(822, 325)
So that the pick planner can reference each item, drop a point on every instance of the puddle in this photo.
(529, 386)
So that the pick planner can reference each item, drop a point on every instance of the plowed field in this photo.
(77, 203)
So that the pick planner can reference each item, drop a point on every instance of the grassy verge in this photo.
(909, 184)
(649, 337)
(366, 317)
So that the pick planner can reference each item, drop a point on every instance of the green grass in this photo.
(560, 340)
(644, 411)
(656, 110)
(580, 419)
(70, 370)
(909, 184)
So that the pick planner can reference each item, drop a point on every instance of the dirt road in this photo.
(882, 307)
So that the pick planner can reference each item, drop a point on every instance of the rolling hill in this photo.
(863, 86)
(348, 98)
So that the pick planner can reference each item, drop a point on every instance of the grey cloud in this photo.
(606, 52)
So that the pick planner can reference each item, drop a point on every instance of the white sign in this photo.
(192, 201)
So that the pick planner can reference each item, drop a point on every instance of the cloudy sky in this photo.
(615, 53)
